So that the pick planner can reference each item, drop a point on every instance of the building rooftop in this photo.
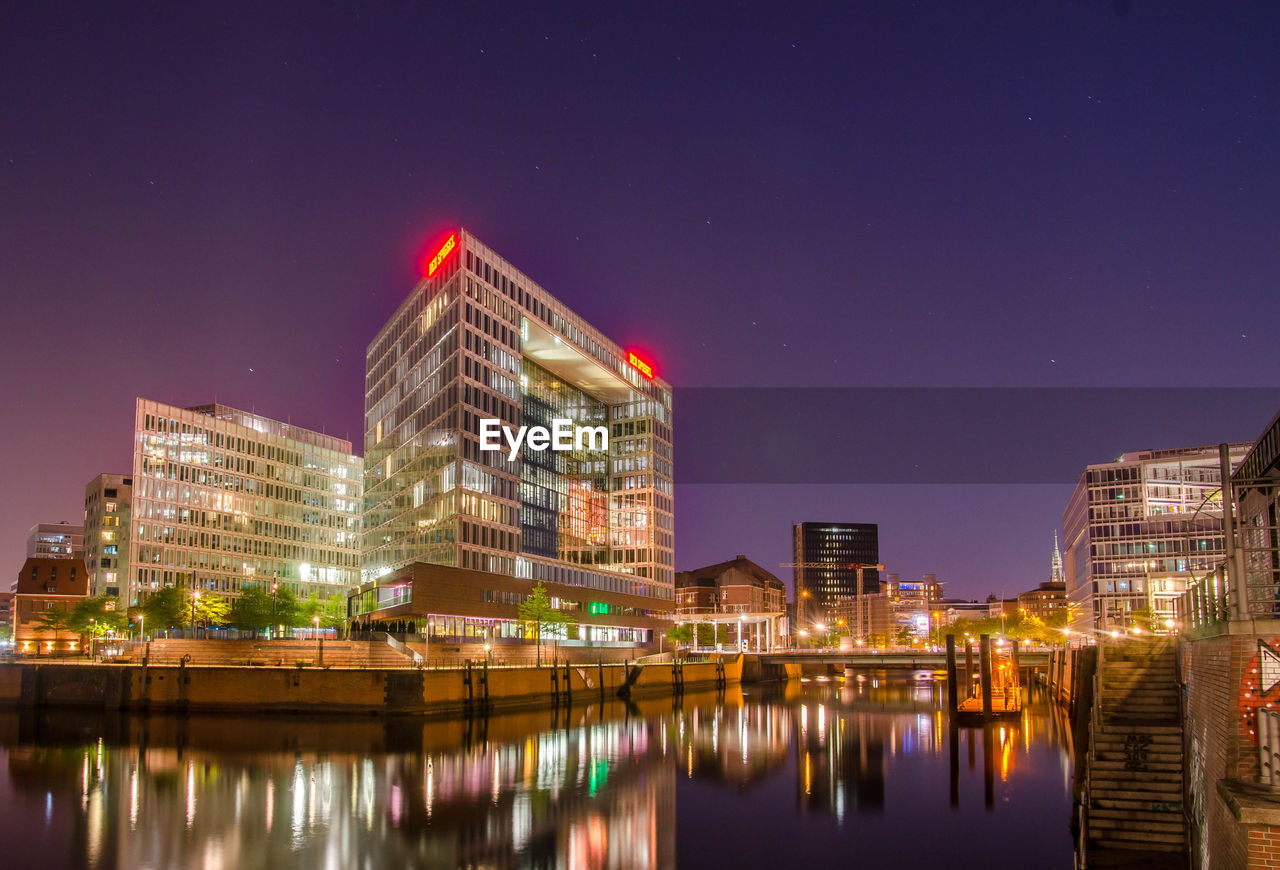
(742, 563)
(273, 427)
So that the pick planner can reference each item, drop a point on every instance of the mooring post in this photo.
(1013, 661)
(953, 697)
(968, 669)
(984, 673)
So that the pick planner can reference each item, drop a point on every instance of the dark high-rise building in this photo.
(826, 560)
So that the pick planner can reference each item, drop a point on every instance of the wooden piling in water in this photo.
(968, 669)
(953, 697)
(1013, 661)
(984, 672)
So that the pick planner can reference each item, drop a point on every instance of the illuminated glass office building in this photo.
(1137, 529)
(224, 499)
(477, 339)
(826, 560)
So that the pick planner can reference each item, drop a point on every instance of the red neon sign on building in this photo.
(640, 365)
(445, 249)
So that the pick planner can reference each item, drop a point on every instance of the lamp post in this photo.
(275, 587)
(195, 596)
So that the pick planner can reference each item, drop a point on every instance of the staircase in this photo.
(1133, 792)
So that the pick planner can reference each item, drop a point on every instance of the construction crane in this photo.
(859, 567)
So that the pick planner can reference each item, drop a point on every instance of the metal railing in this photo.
(403, 649)
(1268, 746)
(1214, 598)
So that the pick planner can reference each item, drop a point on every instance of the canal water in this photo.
(825, 773)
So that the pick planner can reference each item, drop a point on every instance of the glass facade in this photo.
(223, 499)
(1138, 529)
(479, 340)
(826, 555)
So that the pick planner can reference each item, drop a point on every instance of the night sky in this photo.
(212, 201)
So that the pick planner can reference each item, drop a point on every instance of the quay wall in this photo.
(339, 690)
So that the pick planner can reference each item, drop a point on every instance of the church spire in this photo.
(1055, 568)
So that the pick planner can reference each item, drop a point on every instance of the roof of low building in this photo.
(741, 563)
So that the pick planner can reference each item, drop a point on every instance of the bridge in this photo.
(897, 660)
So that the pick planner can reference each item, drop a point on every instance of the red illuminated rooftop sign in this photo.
(445, 249)
(640, 365)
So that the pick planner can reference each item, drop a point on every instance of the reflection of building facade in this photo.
(1137, 529)
(840, 760)
(55, 541)
(738, 594)
(223, 499)
(107, 502)
(476, 340)
(738, 745)
(44, 586)
(826, 556)
(598, 797)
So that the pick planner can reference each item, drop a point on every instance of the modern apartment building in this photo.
(107, 505)
(55, 541)
(826, 572)
(478, 340)
(1138, 529)
(223, 499)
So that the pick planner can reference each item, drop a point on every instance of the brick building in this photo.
(44, 585)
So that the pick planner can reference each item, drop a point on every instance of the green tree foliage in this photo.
(99, 616)
(539, 616)
(679, 635)
(175, 607)
(332, 611)
(252, 611)
(211, 610)
(169, 607)
(56, 621)
(1031, 629)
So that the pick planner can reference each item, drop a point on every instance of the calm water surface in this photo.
(820, 774)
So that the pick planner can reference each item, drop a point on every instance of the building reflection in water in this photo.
(597, 795)
(591, 787)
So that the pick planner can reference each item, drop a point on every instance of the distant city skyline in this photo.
(850, 197)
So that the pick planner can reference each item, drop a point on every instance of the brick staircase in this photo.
(1133, 793)
(274, 653)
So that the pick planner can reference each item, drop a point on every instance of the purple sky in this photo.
(226, 201)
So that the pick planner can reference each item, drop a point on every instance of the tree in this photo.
(331, 610)
(288, 610)
(538, 614)
(252, 610)
(169, 607)
(98, 616)
(679, 635)
(56, 621)
(211, 610)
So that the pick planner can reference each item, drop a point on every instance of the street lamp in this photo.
(195, 596)
(275, 587)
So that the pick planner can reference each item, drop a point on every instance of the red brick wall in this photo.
(1218, 745)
